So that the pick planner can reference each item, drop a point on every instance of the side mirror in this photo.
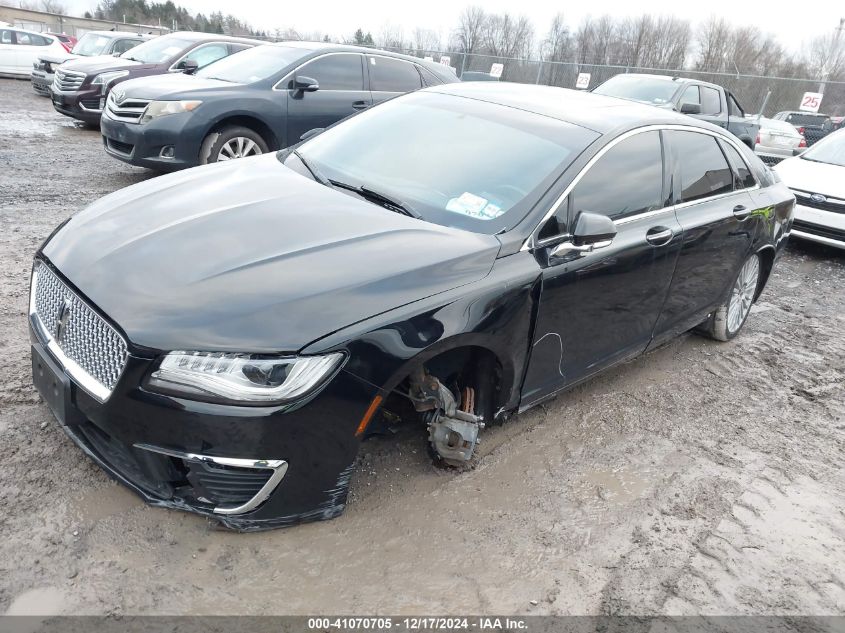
(189, 66)
(592, 231)
(305, 84)
(690, 108)
(311, 133)
(593, 228)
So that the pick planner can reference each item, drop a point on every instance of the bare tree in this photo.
(52, 6)
(507, 36)
(470, 31)
(425, 40)
(391, 36)
(556, 47)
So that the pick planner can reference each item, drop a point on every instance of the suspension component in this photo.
(452, 428)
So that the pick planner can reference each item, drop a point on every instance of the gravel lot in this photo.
(702, 478)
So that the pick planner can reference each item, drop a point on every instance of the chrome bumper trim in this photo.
(278, 466)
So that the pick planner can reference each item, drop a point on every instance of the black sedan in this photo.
(221, 339)
(263, 99)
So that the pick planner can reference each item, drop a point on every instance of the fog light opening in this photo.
(168, 151)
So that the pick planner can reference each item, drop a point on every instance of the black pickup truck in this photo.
(699, 99)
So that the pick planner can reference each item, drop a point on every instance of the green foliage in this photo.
(169, 14)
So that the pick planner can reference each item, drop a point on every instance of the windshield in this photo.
(639, 88)
(91, 44)
(253, 64)
(830, 150)
(157, 50)
(456, 162)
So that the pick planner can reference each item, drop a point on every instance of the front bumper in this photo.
(84, 105)
(250, 468)
(41, 82)
(142, 144)
(818, 225)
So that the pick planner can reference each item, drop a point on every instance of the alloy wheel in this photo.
(742, 294)
(238, 147)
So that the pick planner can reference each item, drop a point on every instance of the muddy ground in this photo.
(702, 478)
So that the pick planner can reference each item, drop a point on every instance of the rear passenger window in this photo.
(703, 168)
(429, 77)
(5, 37)
(393, 75)
(121, 46)
(710, 102)
(734, 108)
(743, 176)
(335, 72)
(627, 180)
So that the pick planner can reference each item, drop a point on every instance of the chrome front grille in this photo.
(67, 80)
(129, 109)
(89, 349)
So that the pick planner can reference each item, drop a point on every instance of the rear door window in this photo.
(336, 72)
(429, 77)
(121, 46)
(742, 172)
(5, 37)
(625, 181)
(704, 171)
(393, 75)
(734, 109)
(710, 101)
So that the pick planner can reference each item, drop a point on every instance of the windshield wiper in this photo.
(134, 59)
(319, 177)
(379, 198)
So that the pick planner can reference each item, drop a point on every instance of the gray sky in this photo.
(341, 18)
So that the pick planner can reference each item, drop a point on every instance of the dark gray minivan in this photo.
(260, 100)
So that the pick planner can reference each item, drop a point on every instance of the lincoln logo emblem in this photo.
(61, 320)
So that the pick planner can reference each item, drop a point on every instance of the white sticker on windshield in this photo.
(474, 206)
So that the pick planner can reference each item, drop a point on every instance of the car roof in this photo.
(678, 80)
(196, 36)
(119, 34)
(599, 113)
(445, 72)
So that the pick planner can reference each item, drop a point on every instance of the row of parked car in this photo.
(187, 99)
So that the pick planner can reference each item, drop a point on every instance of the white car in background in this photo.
(817, 178)
(778, 140)
(20, 48)
(92, 44)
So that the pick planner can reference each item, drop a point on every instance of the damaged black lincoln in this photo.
(222, 339)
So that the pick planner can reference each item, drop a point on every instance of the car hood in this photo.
(158, 86)
(57, 58)
(103, 63)
(807, 175)
(252, 256)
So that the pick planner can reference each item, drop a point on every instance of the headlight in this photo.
(156, 109)
(104, 79)
(242, 378)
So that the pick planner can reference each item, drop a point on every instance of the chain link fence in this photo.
(757, 94)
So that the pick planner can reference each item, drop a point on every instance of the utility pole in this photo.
(834, 52)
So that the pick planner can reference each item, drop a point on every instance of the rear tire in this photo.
(728, 319)
(230, 143)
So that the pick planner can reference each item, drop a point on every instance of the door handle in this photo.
(740, 212)
(659, 235)
(359, 105)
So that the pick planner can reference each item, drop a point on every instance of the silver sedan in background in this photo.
(778, 140)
